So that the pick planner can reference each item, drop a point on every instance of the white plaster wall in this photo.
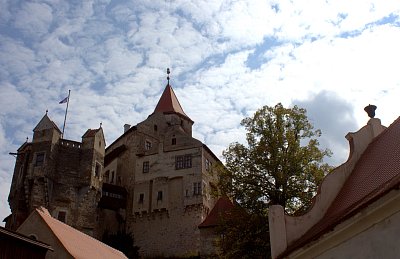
(382, 240)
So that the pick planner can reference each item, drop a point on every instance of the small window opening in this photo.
(147, 145)
(97, 170)
(141, 198)
(39, 159)
(159, 196)
(33, 236)
(173, 141)
(107, 176)
(62, 215)
(197, 188)
(112, 177)
(146, 166)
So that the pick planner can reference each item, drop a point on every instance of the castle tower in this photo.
(62, 175)
(168, 177)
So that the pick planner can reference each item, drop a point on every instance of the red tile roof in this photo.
(90, 133)
(376, 173)
(169, 103)
(78, 244)
(221, 208)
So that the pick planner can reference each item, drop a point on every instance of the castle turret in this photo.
(46, 130)
(93, 146)
(171, 108)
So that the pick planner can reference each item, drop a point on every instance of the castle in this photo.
(155, 181)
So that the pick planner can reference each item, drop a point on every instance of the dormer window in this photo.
(147, 145)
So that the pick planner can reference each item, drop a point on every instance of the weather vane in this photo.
(168, 72)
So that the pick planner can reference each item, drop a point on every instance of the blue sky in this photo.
(227, 59)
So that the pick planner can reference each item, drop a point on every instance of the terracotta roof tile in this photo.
(90, 133)
(376, 173)
(169, 102)
(221, 207)
(78, 244)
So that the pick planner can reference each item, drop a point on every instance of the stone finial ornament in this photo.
(370, 109)
(168, 72)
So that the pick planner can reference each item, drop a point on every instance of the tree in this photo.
(281, 163)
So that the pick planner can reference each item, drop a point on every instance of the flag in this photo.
(64, 100)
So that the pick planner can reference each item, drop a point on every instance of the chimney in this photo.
(126, 127)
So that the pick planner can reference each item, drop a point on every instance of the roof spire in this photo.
(168, 72)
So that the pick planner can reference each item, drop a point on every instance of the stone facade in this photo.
(155, 181)
(62, 175)
(169, 177)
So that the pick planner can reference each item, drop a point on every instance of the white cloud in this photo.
(34, 19)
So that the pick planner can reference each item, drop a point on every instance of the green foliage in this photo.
(123, 242)
(281, 164)
(243, 235)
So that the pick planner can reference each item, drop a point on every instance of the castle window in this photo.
(184, 161)
(97, 170)
(159, 196)
(147, 145)
(62, 216)
(112, 177)
(39, 159)
(146, 167)
(197, 188)
(155, 127)
(141, 198)
(107, 176)
(208, 163)
(173, 141)
(33, 236)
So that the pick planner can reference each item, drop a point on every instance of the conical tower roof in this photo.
(169, 103)
(46, 123)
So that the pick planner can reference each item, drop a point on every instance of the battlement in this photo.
(70, 143)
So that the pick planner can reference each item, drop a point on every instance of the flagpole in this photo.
(66, 111)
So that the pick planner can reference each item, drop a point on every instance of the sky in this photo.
(227, 59)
